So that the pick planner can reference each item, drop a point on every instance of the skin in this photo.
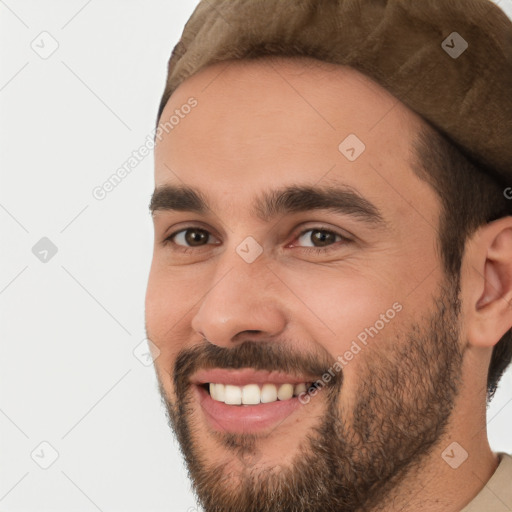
(265, 124)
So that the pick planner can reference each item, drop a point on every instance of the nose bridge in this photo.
(241, 298)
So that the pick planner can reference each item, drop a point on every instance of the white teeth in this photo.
(220, 390)
(217, 392)
(299, 388)
(253, 394)
(233, 395)
(268, 393)
(285, 391)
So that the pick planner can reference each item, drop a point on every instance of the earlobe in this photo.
(491, 316)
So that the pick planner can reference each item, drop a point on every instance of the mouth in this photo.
(254, 394)
(241, 401)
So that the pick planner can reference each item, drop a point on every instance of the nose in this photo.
(242, 303)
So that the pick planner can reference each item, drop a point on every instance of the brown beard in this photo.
(354, 459)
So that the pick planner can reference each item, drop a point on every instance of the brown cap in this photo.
(448, 60)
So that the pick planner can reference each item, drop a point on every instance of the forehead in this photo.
(261, 124)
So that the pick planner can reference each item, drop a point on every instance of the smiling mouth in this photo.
(254, 394)
(244, 418)
(248, 400)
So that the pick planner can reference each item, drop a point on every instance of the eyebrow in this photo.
(270, 204)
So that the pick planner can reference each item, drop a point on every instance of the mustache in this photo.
(260, 355)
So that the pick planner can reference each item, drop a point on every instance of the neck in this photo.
(436, 486)
(458, 466)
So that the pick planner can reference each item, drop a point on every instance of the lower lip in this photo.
(245, 418)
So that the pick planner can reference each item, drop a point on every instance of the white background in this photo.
(68, 375)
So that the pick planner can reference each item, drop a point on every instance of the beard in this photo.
(354, 459)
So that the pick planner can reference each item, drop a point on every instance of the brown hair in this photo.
(470, 198)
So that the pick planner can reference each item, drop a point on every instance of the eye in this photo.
(318, 238)
(190, 237)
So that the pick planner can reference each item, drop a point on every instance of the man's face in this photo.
(313, 259)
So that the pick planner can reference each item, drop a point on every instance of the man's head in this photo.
(332, 239)
(259, 270)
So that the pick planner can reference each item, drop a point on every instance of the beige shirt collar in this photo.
(496, 496)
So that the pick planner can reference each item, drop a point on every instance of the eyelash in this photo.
(316, 250)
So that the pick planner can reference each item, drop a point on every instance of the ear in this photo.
(487, 283)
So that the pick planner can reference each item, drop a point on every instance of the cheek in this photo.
(339, 305)
(355, 317)
(168, 304)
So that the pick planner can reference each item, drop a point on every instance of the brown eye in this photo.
(190, 237)
(318, 238)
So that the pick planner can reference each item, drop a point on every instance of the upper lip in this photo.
(245, 376)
